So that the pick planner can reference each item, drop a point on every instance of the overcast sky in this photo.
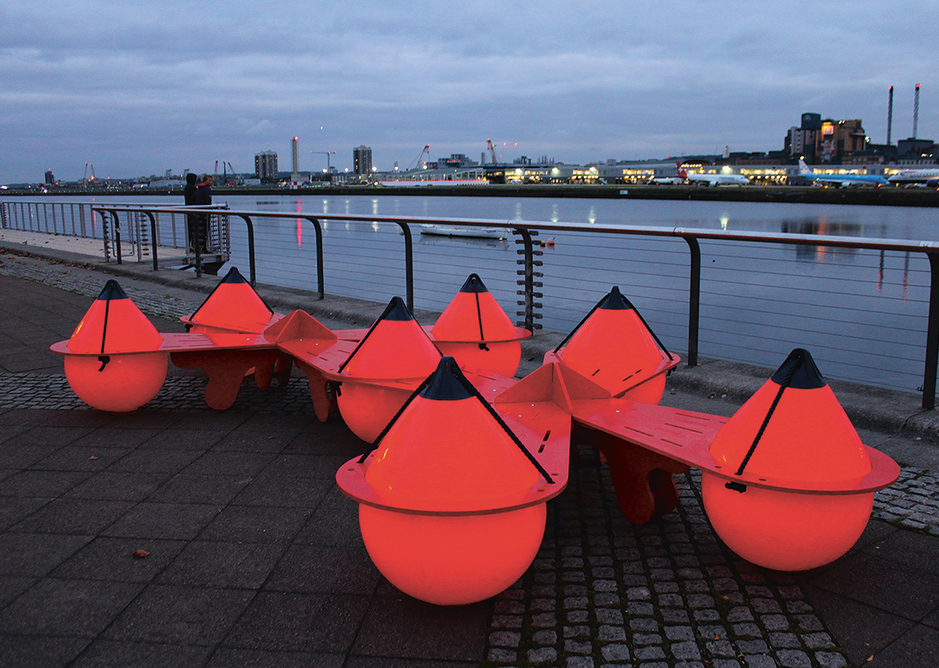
(136, 88)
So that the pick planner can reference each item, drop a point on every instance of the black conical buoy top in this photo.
(446, 383)
(801, 371)
(396, 310)
(234, 276)
(615, 301)
(474, 284)
(112, 291)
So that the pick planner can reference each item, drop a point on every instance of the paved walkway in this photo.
(183, 536)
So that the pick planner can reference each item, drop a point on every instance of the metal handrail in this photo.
(149, 210)
(691, 236)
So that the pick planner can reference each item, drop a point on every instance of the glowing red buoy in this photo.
(391, 360)
(233, 306)
(115, 365)
(448, 474)
(615, 348)
(475, 331)
(791, 429)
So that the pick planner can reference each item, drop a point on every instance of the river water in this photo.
(864, 221)
(861, 313)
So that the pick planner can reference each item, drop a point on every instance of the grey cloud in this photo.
(144, 86)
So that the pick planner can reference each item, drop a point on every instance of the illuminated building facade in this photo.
(819, 140)
(265, 166)
(362, 160)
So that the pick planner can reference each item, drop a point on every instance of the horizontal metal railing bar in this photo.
(640, 230)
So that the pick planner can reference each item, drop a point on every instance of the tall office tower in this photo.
(362, 160)
(265, 165)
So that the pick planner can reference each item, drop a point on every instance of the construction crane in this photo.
(492, 150)
(92, 166)
(226, 167)
(417, 162)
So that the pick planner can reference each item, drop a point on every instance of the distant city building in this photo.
(50, 178)
(265, 166)
(802, 141)
(362, 160)
(840, 138)
(827, 140)
(913, 147)
(456, 160)
(296, 158)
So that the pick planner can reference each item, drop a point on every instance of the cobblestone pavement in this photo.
(63, 276)
(604, 592)
(601, 592)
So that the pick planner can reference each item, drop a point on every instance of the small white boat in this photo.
(458, 231)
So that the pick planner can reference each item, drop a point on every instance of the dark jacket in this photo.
(189, 192)
(203, 195)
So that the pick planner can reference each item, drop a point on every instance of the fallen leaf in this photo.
(140, 554)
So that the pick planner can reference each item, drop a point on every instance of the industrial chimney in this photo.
(889, 114)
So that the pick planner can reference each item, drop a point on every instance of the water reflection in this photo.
(820, 226)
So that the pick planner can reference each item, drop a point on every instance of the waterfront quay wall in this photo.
(889, 196)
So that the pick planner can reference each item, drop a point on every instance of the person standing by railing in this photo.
(192, 222)
(203, 197)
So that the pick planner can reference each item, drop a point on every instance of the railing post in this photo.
(251, 268)
(117, 239)
(528, 281)
(320, 264)
(197, 249)
(408, 265)
(932, 335)
(694, 299)
(105, 236)
(153, 239)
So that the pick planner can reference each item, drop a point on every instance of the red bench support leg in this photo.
(642, 479)
(318, 393)
(226, 370)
